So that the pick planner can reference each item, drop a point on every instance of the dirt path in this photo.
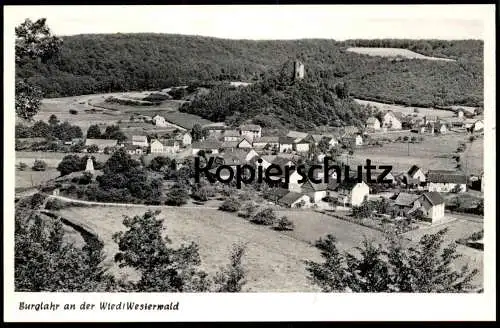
(90, 203)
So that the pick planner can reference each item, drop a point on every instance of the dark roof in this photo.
(231, 133)
(286, 140)
(268, 139)
(445, 176)
(315, 186)
(281, 161)
(413, 170)
(434, 198)
(280, 192)
(290, 198)
(406, 199)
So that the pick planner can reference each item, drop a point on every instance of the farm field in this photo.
(408, 110)
(473, 157)
(392, 52)
(91, 109)
(274, 260)
(434, 152)
(29, 178)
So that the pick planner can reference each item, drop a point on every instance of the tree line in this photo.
(89, 64)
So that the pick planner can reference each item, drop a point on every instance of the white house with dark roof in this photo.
(209, 146)
(316, 191)
(432, 206)
(351, 193)
(141, 141)
(251, 131)
(301, 146)
(446, 181)
(239, 143)
(415, 173)
(296, 136)
(164, 146)
(286, 144)
(295, 200)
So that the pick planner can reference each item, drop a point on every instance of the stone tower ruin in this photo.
(298, 70)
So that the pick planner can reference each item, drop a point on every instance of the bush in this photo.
(177, 196)
(230, 205)
(265, 217)
(248, 211)
(22, 166)
(73, 111)
(284, 224)
(39, 165)
(54, 205)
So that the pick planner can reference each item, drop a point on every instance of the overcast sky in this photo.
(266, 22)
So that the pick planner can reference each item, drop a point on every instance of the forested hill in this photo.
(125, 62)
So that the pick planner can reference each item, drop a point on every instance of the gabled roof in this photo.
(434, 198)
(286, 140)
(101, 142)
(406, 199)
(296, 134)
(281, 161)
(290, 198)
(315, 186)
(169, 142)
(230, 144)
(446, 176)
(350, 130)
(414, 169)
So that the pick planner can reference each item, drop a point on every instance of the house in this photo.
(392, 120)
(404, 203)
(315, 191)
(215, 130)
(134, 149)
(350, 130)
(246, 155)
(141, 141)
(295, 200)
(446, 181)
(252, 131)
(184, 138)
(478, 126)
(372, 123)
(316, 138)
(351, 192)
(240, 143)
(170, 146)
(101, 143)
(263, 142)
(354, 141)
(296, 136)
(159, 121)
(293, 181)
(208, 146)
(415, 173)
(165, 146)
(430, 119)
(441, 128)
(286, 144)
(231, 135)
(301, 146)
(432, 206)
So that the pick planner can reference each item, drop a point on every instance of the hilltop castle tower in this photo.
(298, 70)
